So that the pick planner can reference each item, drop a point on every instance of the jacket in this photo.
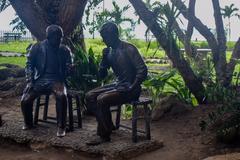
(36, 61)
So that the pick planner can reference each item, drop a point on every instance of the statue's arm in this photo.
(104, 64)
(139, 64)
(69, 61)
(30, 63)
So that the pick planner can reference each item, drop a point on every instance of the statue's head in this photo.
(109, 33)
(54, 35)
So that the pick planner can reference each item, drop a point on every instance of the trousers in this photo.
(99, 101)
(30, 94)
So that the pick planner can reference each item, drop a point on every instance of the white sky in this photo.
(203, 11)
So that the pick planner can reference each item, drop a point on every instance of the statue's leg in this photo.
(104, 116)
(27, 107)
(91, 97)
(60, 92)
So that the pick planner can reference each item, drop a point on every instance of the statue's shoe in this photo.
(28, 127)
(61, 132)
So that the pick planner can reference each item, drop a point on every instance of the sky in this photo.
(203, 11)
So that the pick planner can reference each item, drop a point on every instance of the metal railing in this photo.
(8, 35)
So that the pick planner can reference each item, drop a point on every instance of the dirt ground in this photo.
(17, 152)
(181, 134)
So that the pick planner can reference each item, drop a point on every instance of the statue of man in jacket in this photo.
(130, 71)
(48, 64)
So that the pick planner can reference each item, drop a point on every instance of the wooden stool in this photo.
(71, 95)
(143, 101)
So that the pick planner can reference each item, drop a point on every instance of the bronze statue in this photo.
(1, 122)
(48, 64)
(130, 70)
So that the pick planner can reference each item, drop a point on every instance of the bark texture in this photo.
(218, 44)
(38, 14)
(169, 45)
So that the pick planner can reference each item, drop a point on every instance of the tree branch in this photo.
(219, 58)
(170, 46)
(203, 29)
(32, 17)
(221, 38)
(219, 25)
(190, 49)
(232, 63)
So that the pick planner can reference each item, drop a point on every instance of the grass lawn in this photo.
(96, 44)
(17, 46)
(21, 61)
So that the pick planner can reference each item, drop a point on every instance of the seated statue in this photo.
(130, 70)
(48, 64)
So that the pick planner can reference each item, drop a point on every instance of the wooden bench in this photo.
(73, 99)
(143, 101)
(11, 36)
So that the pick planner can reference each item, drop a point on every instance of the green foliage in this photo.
(230, 45)
(16, 46)
(85, 73)
(127, 111)
(204, 68)
(236, 74)
(230, 11)
(18, 25)
(116, 15)
(166, 83)
(204, 44)
(4, 4)
(96, 44)
(21, 61)
(156, 82)
(225, 119)
(218, 94)
(181, 91)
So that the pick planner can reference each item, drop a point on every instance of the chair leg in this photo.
(36, 113)
(147, 118)
(118, 117)
(79, 115)
(45, 111)
(134, 124)
(70, 112)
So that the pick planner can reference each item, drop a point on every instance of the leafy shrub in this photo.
(85, 73)
(230, 45)
(156, 82)
(225, 120)
(181, 91)
(168, 83)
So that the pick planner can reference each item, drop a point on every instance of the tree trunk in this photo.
(37, 15)
(169, 45)
(32, 16)
(205, 31)
(190, 49)
(232, 63)
(221, 39)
